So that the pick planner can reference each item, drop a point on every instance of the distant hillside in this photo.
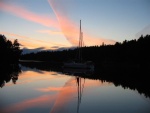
(35, 50)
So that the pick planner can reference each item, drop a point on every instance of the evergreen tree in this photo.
(10, 52)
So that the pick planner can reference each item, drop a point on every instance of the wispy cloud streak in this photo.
(26, 41)
(50, 32)
(28, 15)
(70, 29)
(144, 31)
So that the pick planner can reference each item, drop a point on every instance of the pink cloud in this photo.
(31, 42)
(50, 32)
(28, 15)
(70, 29)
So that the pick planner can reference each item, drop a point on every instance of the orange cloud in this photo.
(28, 15)
(15, 35)
(70, 29)
(32, 42)
(43, 100)
(26, 41)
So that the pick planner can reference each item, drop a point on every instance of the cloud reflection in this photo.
(49, 89)
(68, 95)
(40, 101)
(33, 76)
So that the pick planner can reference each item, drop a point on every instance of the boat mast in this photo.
(80, 42)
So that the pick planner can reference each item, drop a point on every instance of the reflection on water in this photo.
(78, 72)
(68, 91)
(8, 73)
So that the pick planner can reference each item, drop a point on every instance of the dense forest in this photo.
(128, 52)
(10, 51)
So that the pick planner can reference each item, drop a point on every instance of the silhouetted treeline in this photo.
(132, 52)
(126, 64)
(10, 52)
(8, 73)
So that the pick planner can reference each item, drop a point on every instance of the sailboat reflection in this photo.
(80, 91)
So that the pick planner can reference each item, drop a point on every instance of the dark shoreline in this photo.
(131, 76)
(127, 76)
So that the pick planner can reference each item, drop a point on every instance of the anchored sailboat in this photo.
(79, 64)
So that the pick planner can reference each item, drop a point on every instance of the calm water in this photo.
(39, 91)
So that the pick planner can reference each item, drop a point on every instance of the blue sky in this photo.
(53, 24)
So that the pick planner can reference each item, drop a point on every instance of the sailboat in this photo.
(79, 64)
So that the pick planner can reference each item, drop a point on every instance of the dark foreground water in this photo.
(37, 91)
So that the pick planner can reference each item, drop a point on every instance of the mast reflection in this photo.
(80, 91)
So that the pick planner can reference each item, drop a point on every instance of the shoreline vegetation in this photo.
(133, 53)
(10, 51)
(126, 64)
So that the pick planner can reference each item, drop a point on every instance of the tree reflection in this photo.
(8, 73)
(126, 76)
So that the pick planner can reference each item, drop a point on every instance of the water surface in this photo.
(54, 92)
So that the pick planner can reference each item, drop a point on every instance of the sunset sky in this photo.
(53, 24)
